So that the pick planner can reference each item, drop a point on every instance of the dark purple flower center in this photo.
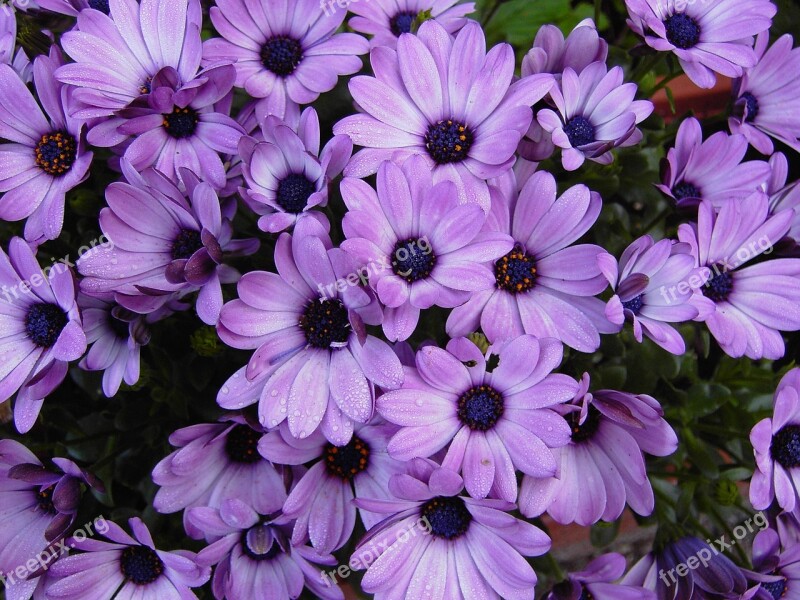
(281, 54)
(326, 324)
(186, 244)
(56, 152)
(411, 262)
(682, 31)
(140, 565)
(684, 189)
(776, 589)
(44, 323)
(294, 191)
(585, 595)
(448, 141)
(181, 122)
(516, 271)
(402, 22)
(634, 305)
(719, 285)
(259, 544)
(349, 460)
(146, 86)
(120, 328)
(448, 517)
(101, 5)
(785, 447)
(480, 407)
(241, 445)
(586, 430)
(579, 131)
(752, 107)
(44, 498)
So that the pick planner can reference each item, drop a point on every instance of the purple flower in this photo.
(551, 53)
(776, 573)
(437, 543)
(41, 330)
(783, 195)
(597, 581)
(115, 335)
(775, 443)
(766, 96)
(39, 505)
(161, 243)
(712, 170)
(418, 247)
(309, 332)
(594, 112)
(47, 156)
(543, 287)
(753, 303)
(447, 100)
(126, 567)
(648, 291)
(715, 578)
(178, 126)
(602, 467)
(287, 176)
(9, 53)
(73, 7)
(387, 22)
(321, 503)
(707, 37)
(494, 423)
(285, 51)
(117, 56)
(254, 557)
(215, 462)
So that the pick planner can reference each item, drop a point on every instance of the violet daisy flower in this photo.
(438, 543)
(714, 579)
(494, 423)
(544, 286)
(707, 37)
(387, 21)
(286, 51)
(125, 567)
(41, 330)
(287, 176)
(776, 573)
(783, 195)
(551, 53)
(418, 247)
(648, 291)
(594, 112)
(321, 503)
(775, 444)
(115, 335)
(215, 462)
(753, 303)
(312, 335)
(47, 155)
(254, 558)
(712, 170)
(597, 581)
(447, 100)
(162, 242)
(9, 53)
(178, 126)
(766, 96)
(602, 467)
(39, 506)
(117, 55)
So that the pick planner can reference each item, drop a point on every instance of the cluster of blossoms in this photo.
(336, 424)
